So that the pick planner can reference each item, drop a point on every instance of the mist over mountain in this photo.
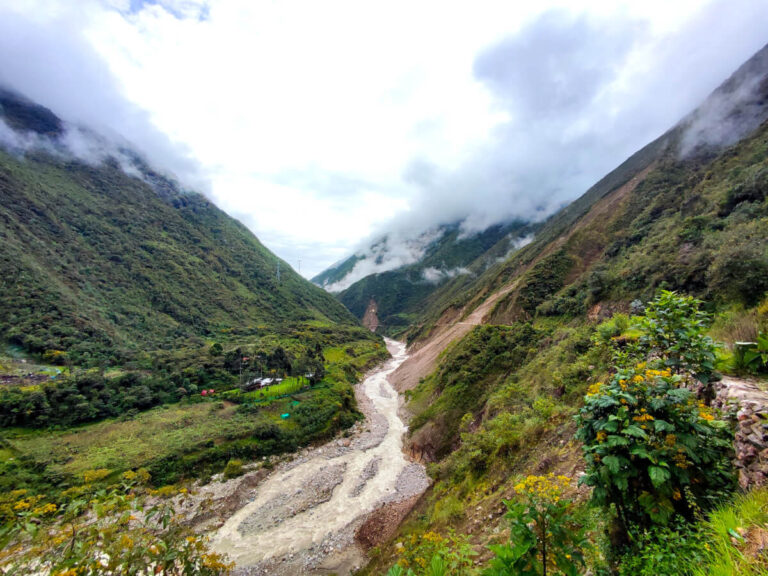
(105, 257)
(400, 274)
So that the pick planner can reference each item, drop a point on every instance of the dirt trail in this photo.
(302, 518)
(422, 360)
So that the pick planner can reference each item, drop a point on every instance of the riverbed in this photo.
(303, 517)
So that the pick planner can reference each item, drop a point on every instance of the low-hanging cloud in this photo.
(46, 57)
(580, 94)
(316, 129)
(732, 111)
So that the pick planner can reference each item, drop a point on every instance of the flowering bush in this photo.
(431, 554)
(652, 449)
(123, 528)
(545, 539)
(673, 330)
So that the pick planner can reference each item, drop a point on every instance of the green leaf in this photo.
(614, 440)
(613, 463)
(658, 475)
(642, 453)
(636, 431)
(663, 426)
(611, 426)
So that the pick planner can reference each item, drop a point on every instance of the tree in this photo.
(216, 349)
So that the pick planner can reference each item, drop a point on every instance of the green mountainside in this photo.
(102, 264)
(687, 213)
(402, 293)
(130, 308)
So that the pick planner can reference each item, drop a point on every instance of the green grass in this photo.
(290, 385)
(119, 445)
(736, 534)
(335, 355)
(138, 269)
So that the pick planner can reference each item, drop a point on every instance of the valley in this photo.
(304, 517)
(542, 364)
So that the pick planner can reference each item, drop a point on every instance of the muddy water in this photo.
(303, 516)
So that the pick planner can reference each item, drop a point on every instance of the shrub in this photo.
(431, 554)
(93, 529)
(233, 469)
(652, 450)
(741, 272)
(665, 551)
(673, 328)
(544, 536)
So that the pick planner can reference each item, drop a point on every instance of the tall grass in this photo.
(737, 538)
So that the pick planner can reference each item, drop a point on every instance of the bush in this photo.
(431, 554)
(544, 536)
(673, 329)
(741, 272)
(653, 450)
(97, 529)
(233, 469)
(665, 551)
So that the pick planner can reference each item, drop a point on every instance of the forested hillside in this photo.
(105, 265)
(401, 294)
(123, 296)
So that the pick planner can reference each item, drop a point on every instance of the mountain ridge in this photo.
(116, 257)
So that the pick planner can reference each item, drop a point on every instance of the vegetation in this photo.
(103, 528)
(656, 228)
(653, 450)
(194, 437)
(545, 538)
(401, 294)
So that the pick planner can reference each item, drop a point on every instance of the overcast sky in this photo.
(318, 124)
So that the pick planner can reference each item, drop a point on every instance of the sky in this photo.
(322, 125)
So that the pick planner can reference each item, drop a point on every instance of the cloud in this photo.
(436, 275)
(322, 124)
(390, 252)
(45, 55)
(580, 92)
(732, 111)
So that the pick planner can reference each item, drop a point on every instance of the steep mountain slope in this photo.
(666, 184)
(500, 365)
(106, 262)
(436, 257)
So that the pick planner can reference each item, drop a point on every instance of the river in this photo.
(304, 515)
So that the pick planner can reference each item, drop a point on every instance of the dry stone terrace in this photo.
(751, 438)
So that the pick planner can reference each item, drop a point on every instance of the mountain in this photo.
(106, 258)
(500, 363)
(398, 276)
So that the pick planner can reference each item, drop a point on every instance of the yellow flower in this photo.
(594, 389)
(601, 435)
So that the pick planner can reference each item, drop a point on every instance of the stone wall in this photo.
(751, 439)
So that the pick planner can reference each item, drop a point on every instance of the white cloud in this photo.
(317, 123)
